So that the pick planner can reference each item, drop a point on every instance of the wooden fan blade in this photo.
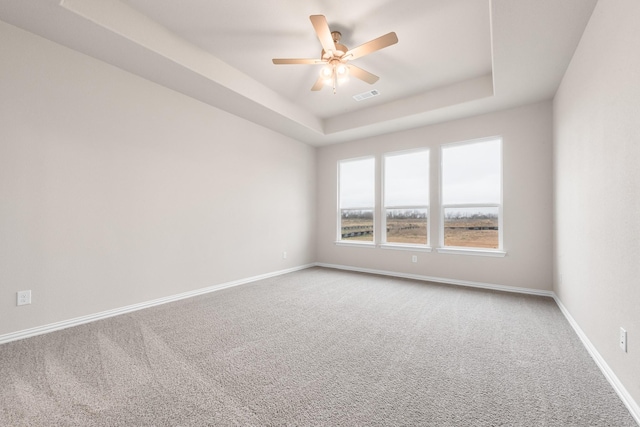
(363, 75)
(371, 46)
(324, 33)
(297, 61)
(318, 84)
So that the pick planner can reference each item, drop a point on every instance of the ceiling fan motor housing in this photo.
(340, 48)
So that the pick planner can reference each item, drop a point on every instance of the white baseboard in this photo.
(39, 330)
(528, 291)
(622, 392)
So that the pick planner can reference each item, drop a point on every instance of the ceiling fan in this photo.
(336, 56)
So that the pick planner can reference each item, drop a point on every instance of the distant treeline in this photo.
(467, 215)
(419, 214)
(391, 213)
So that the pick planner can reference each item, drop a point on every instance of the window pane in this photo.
(356, 225)
(471, 173)
(471, 227)
(357, 183)
(406, 179)
(407, 226)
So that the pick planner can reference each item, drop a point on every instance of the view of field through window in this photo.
(406, 197)
(403, 226)
(462, 229)
(357, 225)
(357, 199)
(407, 226)
(472, 194)
(470, 201)
(477, 227)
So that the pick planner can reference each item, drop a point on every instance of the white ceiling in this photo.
(454, 58)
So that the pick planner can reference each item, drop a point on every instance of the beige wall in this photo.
(527, 133)
(115, 190)
(597, 186)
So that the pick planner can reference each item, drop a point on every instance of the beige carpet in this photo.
(317, 347)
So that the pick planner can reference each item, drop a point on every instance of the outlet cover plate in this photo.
(24, 297)
(623, 340)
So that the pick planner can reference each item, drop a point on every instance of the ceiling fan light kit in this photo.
(335, 56)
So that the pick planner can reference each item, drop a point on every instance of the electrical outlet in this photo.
(414, 258)
(284, 255)
(24, 297)
(623, 340)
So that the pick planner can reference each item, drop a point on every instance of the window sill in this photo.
(370, 245)
(469, 251)
(405, 247)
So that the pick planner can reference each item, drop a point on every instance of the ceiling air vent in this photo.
(366, 95)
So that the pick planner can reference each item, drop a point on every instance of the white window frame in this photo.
(463, 250)
(384, 207)
(340, 209)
